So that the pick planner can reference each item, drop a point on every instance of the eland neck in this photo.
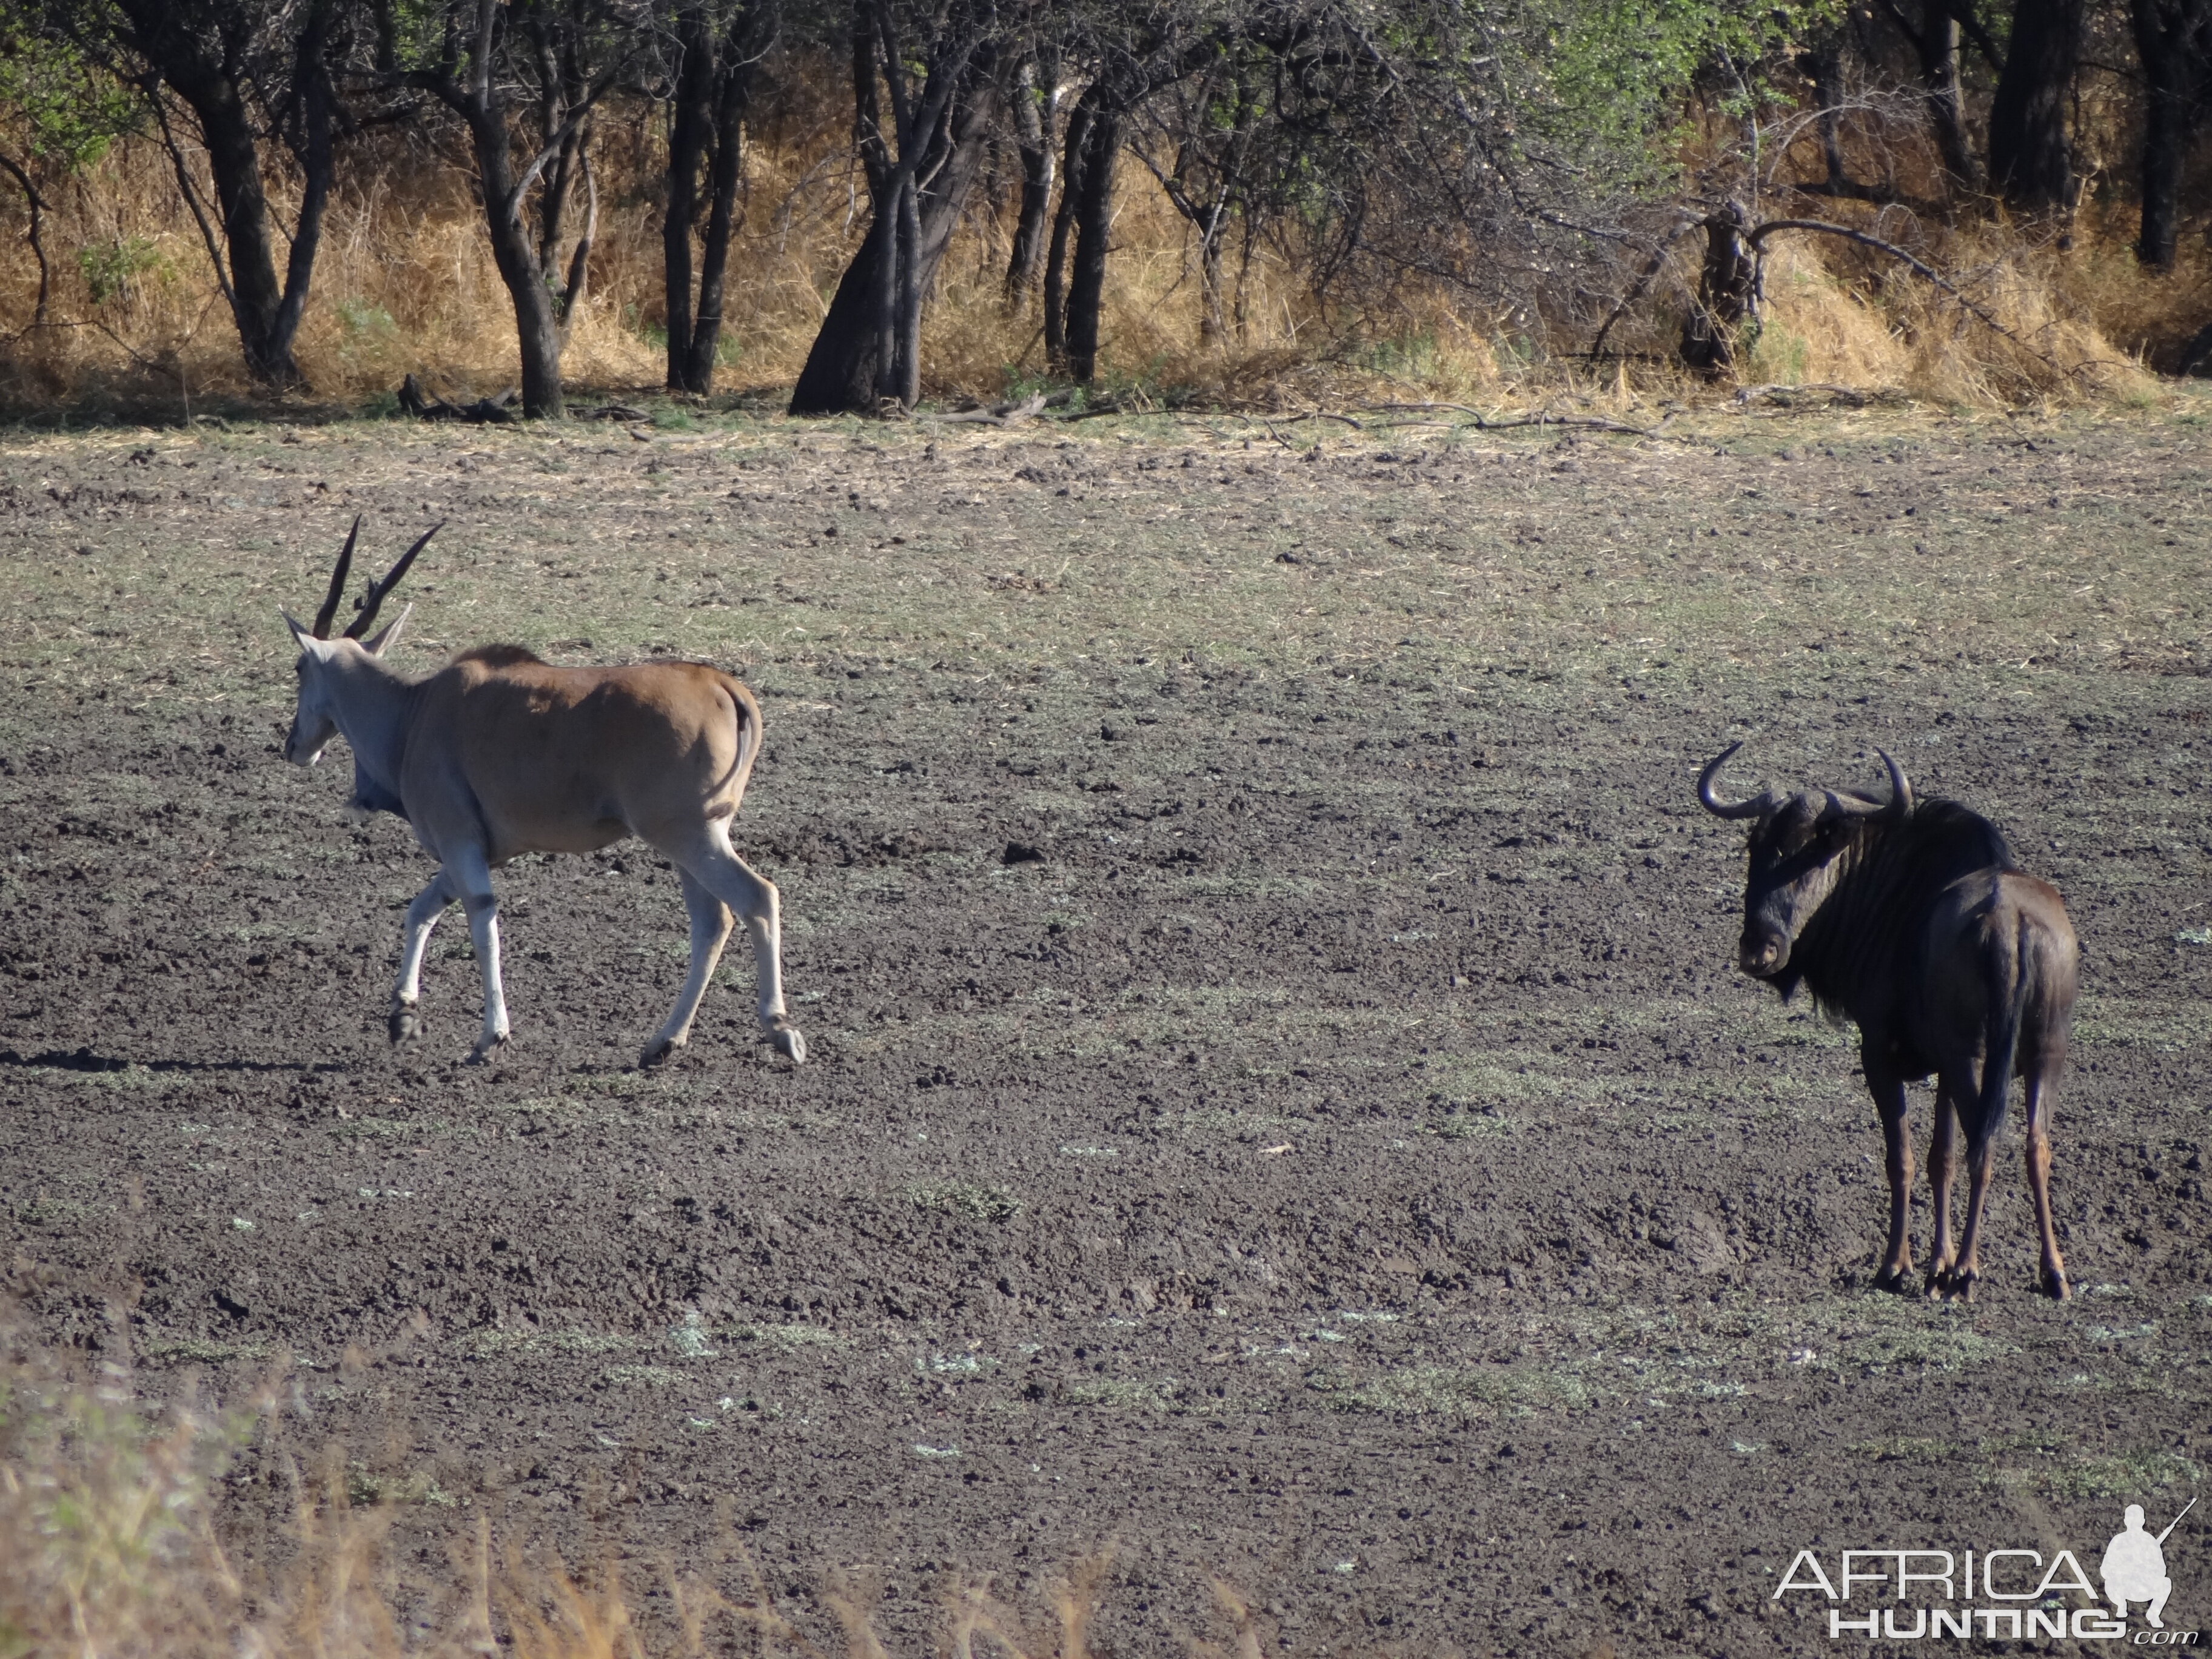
(371, 702)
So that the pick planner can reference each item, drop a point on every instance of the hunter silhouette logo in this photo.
(2011, 1595)
(2133, 1567)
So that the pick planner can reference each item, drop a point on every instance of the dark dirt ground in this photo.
(1345, 1163)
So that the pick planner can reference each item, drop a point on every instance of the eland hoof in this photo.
(787, 1042)
(403, 1026)
(657, 1051)
(483, 1053)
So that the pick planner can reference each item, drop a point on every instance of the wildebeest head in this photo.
(1800, 847)
(314, 722)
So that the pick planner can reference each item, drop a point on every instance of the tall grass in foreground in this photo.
(112, 1542)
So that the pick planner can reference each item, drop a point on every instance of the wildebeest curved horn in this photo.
(1898, 806)
(1748, 809)
(377, 591)
(1900, 791)
(322, 628)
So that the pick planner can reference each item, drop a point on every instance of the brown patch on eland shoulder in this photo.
(501, 656)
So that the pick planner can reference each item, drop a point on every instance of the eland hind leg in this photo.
(753, 897)
(422, 916)
(710, 930)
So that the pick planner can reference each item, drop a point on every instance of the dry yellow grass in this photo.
(406, 283)
(2023, 325)
(115, 1540)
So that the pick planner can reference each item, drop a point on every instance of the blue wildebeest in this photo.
(499, 753)
(1915, 922)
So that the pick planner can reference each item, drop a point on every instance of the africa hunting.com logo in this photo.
(2132, 1570)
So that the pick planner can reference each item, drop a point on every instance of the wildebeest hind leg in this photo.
(1942, 1165)
(1981, 1146)
(710, 929)
(2039, 1185)
(1888, 1093)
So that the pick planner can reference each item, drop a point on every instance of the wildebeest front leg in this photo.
(1942, 1165)
(710, 929)
(469, 873)
(422, 916)
(2038, 1186)
(1888, 1092)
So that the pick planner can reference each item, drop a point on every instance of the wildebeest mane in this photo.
(1858, 943)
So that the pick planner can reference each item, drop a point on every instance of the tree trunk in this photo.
(561, 175)
(1213, 323)
(1938, 45)
(242, 209)
(536, 330)
(892, 209)
(2173, 39)
(2031, 161)
(1094, 203)
(37, 203)
(713, 88)
(2164, 144)
(906, 380)
(1728, 295)
(1063, 223)
(855, 359)
(1035, 101)
(689, 133)
(840, 373)
(724, 174)
(318, 100)
(1823, 65)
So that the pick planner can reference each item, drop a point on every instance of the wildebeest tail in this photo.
(2010, 964)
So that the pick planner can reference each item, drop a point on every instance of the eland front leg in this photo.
(468, 874)
(422, 916)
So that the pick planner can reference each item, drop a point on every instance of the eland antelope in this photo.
(499, 753)
(1915, 922)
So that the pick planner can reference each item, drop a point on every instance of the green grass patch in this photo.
(964, 1198)
(1480, 1391)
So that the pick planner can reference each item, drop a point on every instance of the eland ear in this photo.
(301, 633)
(388, 635)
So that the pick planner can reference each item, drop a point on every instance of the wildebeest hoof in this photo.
(1893, 1279)
(788, 1042)
(403, 1026)
(484, 1051)
(656, 1051)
